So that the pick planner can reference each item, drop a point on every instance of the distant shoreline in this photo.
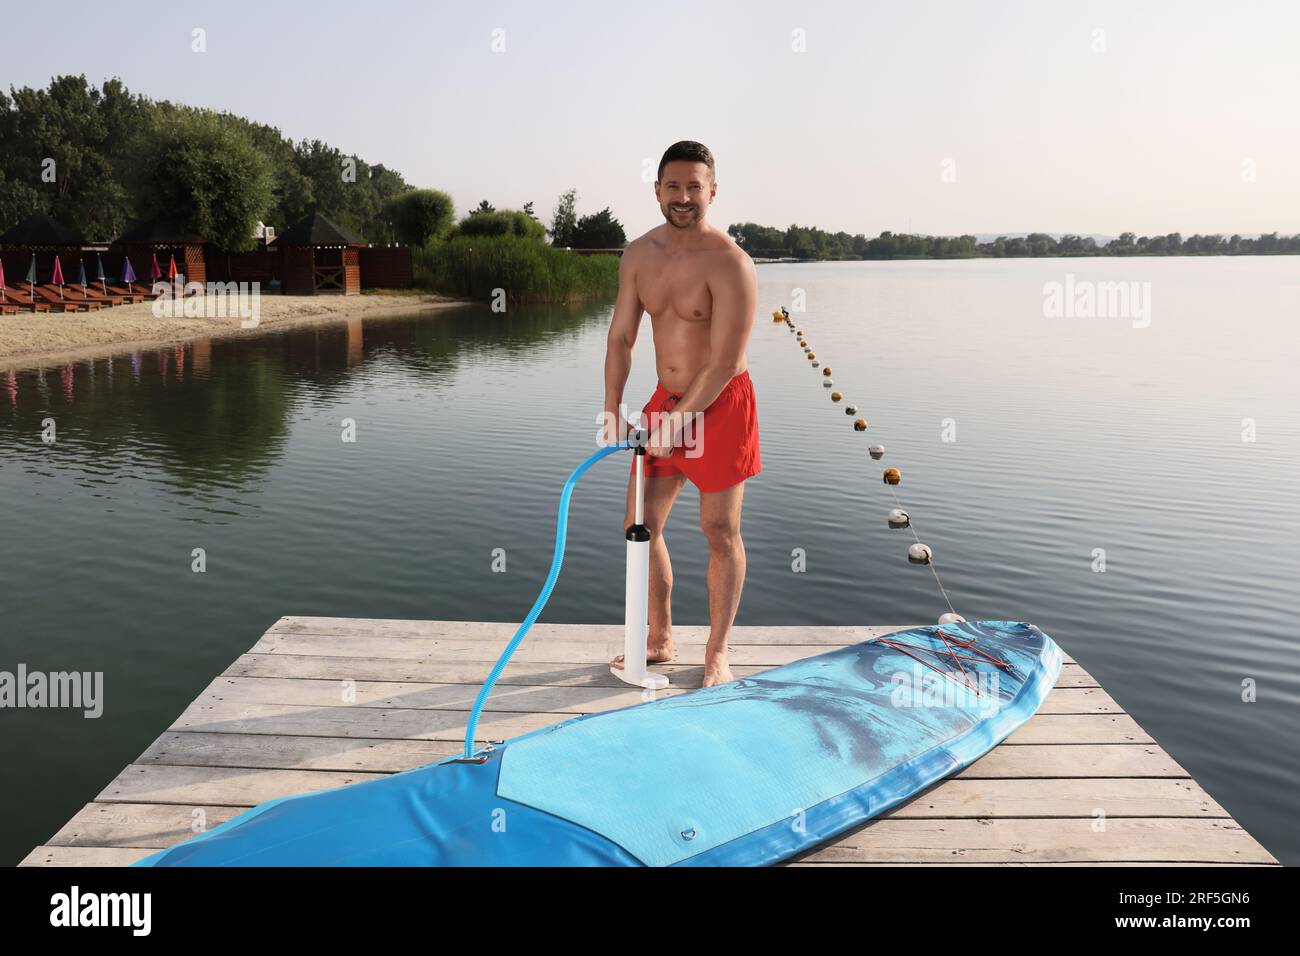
(42, 340)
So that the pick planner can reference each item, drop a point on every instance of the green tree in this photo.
(204, 174)
(419, 215)
(505, 222)
(599, 231)
(565, 219)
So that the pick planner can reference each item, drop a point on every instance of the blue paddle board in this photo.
(748, 773)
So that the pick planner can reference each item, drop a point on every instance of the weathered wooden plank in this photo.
(433, 671)
(84, 856)
(349, 692)
(539, 649)
(545, 651)
(393, 723)
(503, 631)
(430, 670)
(139, 824)
(387, 723)
(1079, 729)
(219, 786)
(1068, 840)
(295, 753)
(1079, 761)
(1051, 797)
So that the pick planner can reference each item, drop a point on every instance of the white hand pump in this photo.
(636, 625)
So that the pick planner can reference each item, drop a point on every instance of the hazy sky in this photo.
(1177, 117)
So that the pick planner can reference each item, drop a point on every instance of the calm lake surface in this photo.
(1072, 435)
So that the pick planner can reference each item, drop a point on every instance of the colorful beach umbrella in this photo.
(57, 277)
(99, 273)
(31, 280)
(155, 270)
(2, 280)
(171, 268)
(81, 279)
(128, 274)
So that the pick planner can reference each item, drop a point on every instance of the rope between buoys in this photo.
(934, 570)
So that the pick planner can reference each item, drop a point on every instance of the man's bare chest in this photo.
(676, 287)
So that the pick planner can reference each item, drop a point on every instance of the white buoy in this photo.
(919, 553)
(636, 606)
(827, 383)
(876, 451)
(898, 518)
(951, 619)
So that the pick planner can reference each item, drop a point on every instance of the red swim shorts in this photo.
(718, 449)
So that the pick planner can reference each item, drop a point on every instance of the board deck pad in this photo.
(750, 772)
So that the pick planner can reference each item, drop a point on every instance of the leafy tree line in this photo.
(96, 158)
(808, 242)
(494, 249)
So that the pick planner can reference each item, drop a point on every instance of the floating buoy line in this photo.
(918, 552)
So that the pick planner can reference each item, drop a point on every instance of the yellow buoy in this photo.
(836, 396)
(892, 476)
(778, 317)
(827, 371)
(860, 425)
(811, 356)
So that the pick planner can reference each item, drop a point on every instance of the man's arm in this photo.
(622, 333)
(735, 298)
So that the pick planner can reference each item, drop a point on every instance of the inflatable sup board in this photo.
(747, 773)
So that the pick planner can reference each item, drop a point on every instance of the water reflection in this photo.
(216, 413)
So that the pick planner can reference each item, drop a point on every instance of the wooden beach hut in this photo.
(319, 257)
(147, 238)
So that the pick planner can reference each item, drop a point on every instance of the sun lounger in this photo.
(56, 303)
(130, 295)
(24, 301)
(74, 294)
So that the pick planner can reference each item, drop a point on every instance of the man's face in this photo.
(685, 191)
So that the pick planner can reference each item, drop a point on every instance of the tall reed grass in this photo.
(526, 269)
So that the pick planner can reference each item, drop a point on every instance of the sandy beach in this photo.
(29, 340)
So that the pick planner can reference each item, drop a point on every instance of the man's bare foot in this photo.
(657, 651)
(716, 670)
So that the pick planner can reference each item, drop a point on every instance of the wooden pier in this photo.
(321, 702)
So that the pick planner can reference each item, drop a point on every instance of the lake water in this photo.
(1072, 435)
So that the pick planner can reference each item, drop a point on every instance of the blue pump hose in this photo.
(561, 532)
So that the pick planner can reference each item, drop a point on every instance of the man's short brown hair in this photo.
(690, 151)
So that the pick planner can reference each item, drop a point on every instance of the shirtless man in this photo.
(701, 292)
